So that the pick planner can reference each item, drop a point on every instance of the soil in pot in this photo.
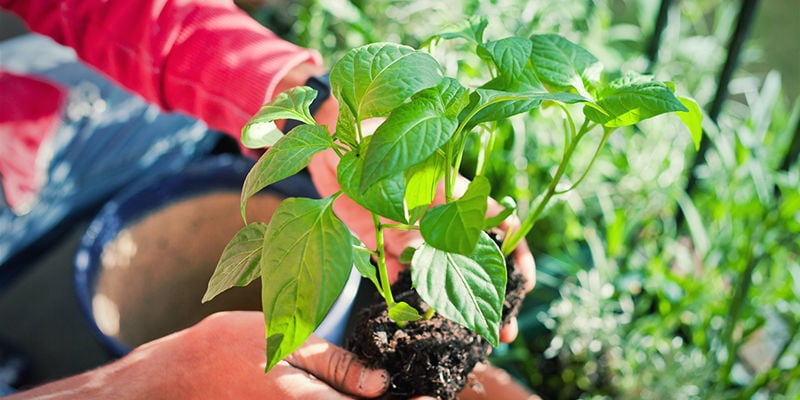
(429, 357)
(155, 271)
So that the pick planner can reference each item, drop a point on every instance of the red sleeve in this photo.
(204, 57)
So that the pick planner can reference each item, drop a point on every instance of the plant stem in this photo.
(606, 134)
(383, 273)
(449, 181)
(516, 235)
(488, 137)
(734, 311)
(404, 227)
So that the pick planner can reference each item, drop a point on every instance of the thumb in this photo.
(339, 368)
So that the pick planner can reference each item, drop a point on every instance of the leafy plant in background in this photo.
(710, 315)
(305, 254)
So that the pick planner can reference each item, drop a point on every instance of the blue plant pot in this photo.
(133, 288)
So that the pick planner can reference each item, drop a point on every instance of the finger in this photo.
(494, 383)
(509, 331)
(295, 383)
(526, 264)
(339, 368)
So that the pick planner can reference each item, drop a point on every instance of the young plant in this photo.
(305, 254)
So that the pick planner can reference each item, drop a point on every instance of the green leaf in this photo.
(693, 119)
(346, 128)
(422, 180)
(631, 99)
(561, 63)
(403, 312)
(293, 104)
(306, 261)
(373, 80)
(406, 255)
(449, 96)
(471, 29)
(495, 105)
(239, 263)
(456, 226)
(510, 56)
(287, 157)
(384, 198)
(509, 205)
(411, 134)
(469, 290)
(362, 257)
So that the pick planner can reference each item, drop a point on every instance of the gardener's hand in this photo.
(489, 383)
(222, 357)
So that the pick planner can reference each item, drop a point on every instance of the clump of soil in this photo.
(428, 357)
(515, 291)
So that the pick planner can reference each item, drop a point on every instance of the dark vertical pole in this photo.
(746, 17)
(794, 150)
(655, 39)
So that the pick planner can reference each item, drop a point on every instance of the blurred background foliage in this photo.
(648, 286)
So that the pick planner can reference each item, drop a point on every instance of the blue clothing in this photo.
(108, 138)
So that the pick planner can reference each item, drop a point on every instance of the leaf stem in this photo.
(402, 227)
(383, 273)
(450, 177)
(488, 138)
(449, 181)
(606, 134)
(516, 235)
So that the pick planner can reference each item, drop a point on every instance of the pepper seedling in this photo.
(305, 254)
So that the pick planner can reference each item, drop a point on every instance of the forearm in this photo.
(100, 383)
(203, 57)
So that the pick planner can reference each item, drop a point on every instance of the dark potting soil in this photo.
(429, 357)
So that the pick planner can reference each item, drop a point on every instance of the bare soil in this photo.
(429, 357)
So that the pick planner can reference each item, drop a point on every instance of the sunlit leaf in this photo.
(456, 226)
(466, 289)
(239, 263)
(631, 99)
(287, 157)
(510, 57)
(411, 134)
(374, 79)
(385, 197)
(471, 30)
(496, 105)
(422, 180)
(292, 104)
(693, 119)
(306, 262)
(361, 259)
(403, 312)
(562, 64)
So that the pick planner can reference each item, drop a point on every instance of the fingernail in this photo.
(373, 381)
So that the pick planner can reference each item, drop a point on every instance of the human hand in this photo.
(223, 357)
(488, 383)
